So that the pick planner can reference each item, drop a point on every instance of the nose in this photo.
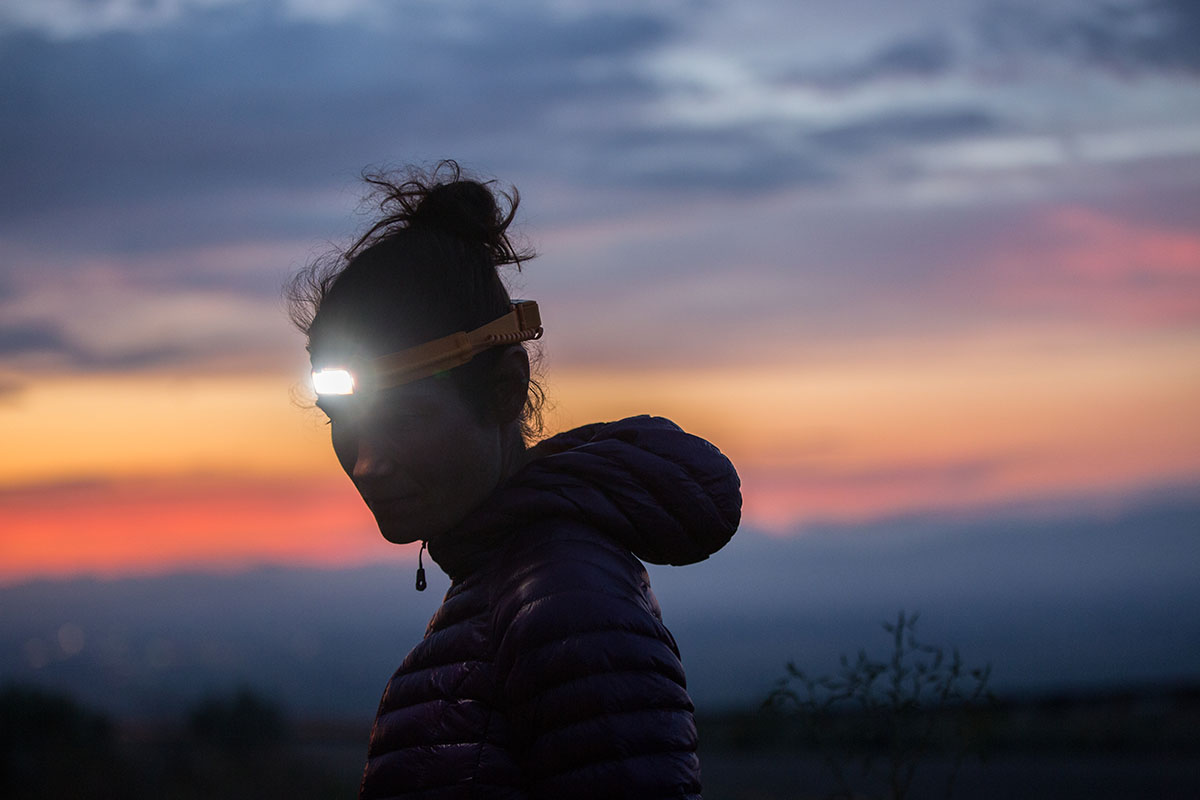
(371, 462)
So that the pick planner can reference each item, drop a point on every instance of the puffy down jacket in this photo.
(547, 672)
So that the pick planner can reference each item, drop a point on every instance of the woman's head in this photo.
(426, 269)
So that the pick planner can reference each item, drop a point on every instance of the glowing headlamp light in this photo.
(522, 323)
(333, 381)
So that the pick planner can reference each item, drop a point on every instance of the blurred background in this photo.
(928, 272)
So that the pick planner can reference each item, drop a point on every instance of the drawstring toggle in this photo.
(420, 570)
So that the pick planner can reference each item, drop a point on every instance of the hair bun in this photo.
(463, 209)
(446, 202)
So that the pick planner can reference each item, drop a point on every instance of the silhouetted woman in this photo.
(547, 672)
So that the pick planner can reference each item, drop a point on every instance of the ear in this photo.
(510, 384)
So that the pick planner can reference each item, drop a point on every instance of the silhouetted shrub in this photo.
(885, 716)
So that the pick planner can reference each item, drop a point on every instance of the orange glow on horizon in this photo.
(102, 426)
(979, 400)
(100, 474)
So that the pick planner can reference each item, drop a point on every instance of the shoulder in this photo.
(567, 578)
(545, 556)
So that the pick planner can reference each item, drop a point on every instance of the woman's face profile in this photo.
(418, 454)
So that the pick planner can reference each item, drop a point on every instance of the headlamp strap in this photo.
(522, 323)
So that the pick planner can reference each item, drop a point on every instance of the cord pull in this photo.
(421, 570)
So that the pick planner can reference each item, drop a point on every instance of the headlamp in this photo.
(522, 323)
(333, 381)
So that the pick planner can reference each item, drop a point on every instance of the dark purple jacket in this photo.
(547, 672)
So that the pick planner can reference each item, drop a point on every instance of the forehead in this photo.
(369, 312)
(328, 349)
(343, 330)
(341, 346)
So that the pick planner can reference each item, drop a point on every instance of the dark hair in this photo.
(425, 269)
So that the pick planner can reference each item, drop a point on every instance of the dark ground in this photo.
(1135, 743)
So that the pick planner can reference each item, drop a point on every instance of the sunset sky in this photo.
(934, 257)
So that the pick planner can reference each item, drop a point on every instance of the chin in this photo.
(414, 528)
(400, 534)
(401, 538)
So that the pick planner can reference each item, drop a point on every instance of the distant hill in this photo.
(1050, 599)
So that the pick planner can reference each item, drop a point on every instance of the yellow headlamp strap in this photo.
(522, 323)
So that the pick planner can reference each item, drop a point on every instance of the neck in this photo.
(513, 453)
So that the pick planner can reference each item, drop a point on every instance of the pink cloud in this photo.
(160, 524)
(1079, 262)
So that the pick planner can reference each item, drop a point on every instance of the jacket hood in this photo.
(668, 496)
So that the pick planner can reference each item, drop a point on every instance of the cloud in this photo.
(1125, 38)
(10, 390)
(101, 321)
(926, 126)
(219, 116)
(736, 158)
(79, 19)
(236, 101)
(29, 338)
(1079, 261)
(918, 58)
(206, 152)
(783, 498)
(923, 56)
